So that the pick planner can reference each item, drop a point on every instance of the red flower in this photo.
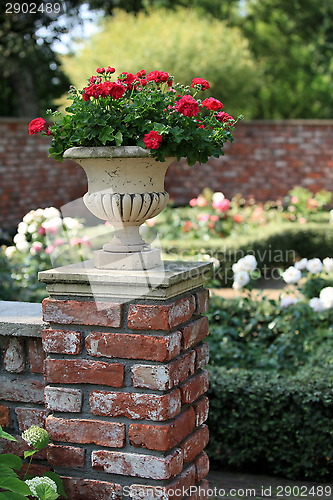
(212, 104)
(238, 218)
(110, 70)
(152, 140)
(37, 125)
(127, 79)
(100, 70)
(159, 77)
(117, 91)
(200, 81)
(91, 91)
(187, 106)
(224, 117)
(141, 73)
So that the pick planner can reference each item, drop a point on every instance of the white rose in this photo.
(18, 238)
(39, 212)
(51, 212)
(29, 217)
(328, 264)
(53, 223)
(314, 266)
(286, 301)
(22, 246)
(301, 264)
(71, 223)
(291, 275)
(217, 197)
(241, 279)
(32, 228)
(316, 304)
(326, 296)
(247, 264)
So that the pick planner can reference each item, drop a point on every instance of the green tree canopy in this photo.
(160, 39)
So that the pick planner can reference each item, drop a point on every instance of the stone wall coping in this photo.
(21, 319)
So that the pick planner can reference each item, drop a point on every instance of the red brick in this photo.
(14, 356)
(5, 420)
(164, 377)
(195, 387)
(171, 492)
(202, 355)
(63, 399)
(62, 341)
(23, 390)
(202, 465)
(36, 355)
(71, 456)
(135, 405)
(138, 465)
(194, 332)
(134, 346)
(195, 443)
(84, 371)
(160, 316)
(71, 312)
(202, 301)
(27, 417)
(90, 489)
(165, 436)
(201, 408)
(33, 470)
(86, 431)
(19, 447)
(201, 491)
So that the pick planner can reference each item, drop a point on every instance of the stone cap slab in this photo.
(160, 283)
(21, 319)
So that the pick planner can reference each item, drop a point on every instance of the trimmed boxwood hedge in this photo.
(271, 423)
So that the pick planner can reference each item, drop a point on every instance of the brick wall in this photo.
(265, 161)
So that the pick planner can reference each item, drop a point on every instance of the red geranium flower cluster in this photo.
(105, 89)
(204, 85)
(38, 125)
(212, 104)
(224, 117)
(152, 140)
(187, 106)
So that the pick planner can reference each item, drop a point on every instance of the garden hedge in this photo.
(271, 423)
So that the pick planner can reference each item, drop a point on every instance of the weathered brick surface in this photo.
(86, 431)
(160, 316)
(62, 341)
(162, 437)
(194, 332)
(63, 399)
(69, 312)
(163, 377)
(84, 371)
(65, 456)
(135, 405)
(30, 416)
(138, 465)
(201, 465)
(134, 346)
(202, 355)
(5, 420)
(201, 408)
(19, 446)
(195, 443)
(25, 390)
(36, 355)
(195, 387)
(14, 355)
(202, 301)
(91, 489)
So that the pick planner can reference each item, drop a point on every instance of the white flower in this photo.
(328, 264)
(291, 275)
(19, 237)
(21, 243)
(22, 228)
(71, 223)
(301, 264)
(314, 266)
(39, 212)
(36, 481)
(217, 197)
(29, 217)
(36, 247)
(326, 296)
(51, 212)
(9, 252)
(287, 300)
(52, 224)
(316, 304)
(32, 228)
(241, 279)
(247, 264)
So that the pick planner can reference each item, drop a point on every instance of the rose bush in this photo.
(143, 109)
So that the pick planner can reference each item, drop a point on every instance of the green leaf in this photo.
(14, 484)
(9, 495)
(45, 492)
(57, 479)
(29, 453)
(118, 138)
(11, 461)
(5, 435)
(6, 471)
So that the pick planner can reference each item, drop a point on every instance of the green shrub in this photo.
(272, 423)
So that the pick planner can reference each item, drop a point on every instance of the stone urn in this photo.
(125, 187)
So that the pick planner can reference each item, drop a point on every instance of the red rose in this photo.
(152, 140)
(224, 117)
(37, 125)
(200, 81)
(187, 106)
(212, 104)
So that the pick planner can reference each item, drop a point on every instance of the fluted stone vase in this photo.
(125, 187)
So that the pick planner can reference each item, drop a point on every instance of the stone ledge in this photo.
(21, 319)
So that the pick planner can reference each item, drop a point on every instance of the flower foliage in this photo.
(144, 109)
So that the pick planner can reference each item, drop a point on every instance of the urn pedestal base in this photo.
(136, 261)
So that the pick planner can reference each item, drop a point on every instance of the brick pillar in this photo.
(126, 381)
